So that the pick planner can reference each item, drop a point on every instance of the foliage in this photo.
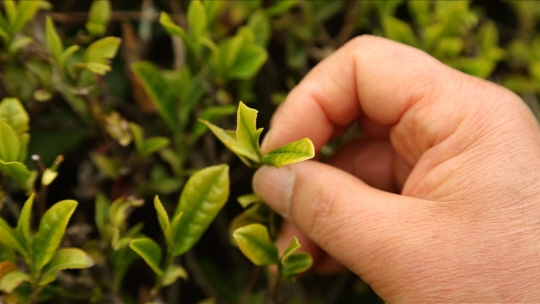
(100, 102)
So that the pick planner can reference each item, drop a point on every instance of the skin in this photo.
(439, 200)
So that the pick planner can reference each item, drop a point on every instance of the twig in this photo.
(43, 190)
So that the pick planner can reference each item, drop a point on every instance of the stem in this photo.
(36, 290)
(251, 284)
(159, 282)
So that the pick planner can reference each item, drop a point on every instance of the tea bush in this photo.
(99, 117)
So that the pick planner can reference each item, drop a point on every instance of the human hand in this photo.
(463, 153)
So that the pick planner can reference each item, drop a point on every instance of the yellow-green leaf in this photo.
(9, 143)
(172, 274)
(13, 280)
(196, 18)
(246, 129)
(290, 153)
(163, 218)
(295, 245)
(66, 258)
(99, 16)
(205, 193)
(170, 27)
(296, 263)
(248, 199)
(54, 43)
(101, 51)
(149, 251)
(23, 224)
(19, 173)
(9, 237)
(254, 242)
(50, 232)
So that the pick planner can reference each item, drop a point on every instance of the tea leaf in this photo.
(296, 263)
(19, 173)
(65, 258)
(26, 11)
(149, 251)
(7, 255)
(204, 195)
(51, 231)
(13, 280)
(290, 250)
(102, 212)
(13, 113)
(66, 54)
(196, 18)
(163, 218)
(54, 43)
(9, 237)
(398, 30)
(23, 224)
(99, 16)
(210, 114)
(254, 242)
(248, 199)
(248, 62)
(9, 143)
(172, 274)
(247, 133)
(170, 27)
(290, 153)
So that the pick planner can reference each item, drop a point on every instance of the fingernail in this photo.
(275, 187)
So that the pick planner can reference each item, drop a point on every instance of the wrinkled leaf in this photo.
(254, 242)
(50, 232)
(247, 133)
(296, 263)
(205, 193)
(163, 217)
(66, 258)
(13, 280)
(54, 43)
(23, 224)
(149, 251)
(172, 274)
(290, 153)
(99, 16)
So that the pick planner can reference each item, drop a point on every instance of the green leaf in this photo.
(9, 143)
(296, 263)
(196, 18)
(101, 51)
(26, 11)
(290, 153)
(9, 237)
(172, 274)
(13, 113)
(157, 88)
(248, 62)
(148, 146)
(96, 68)
(19, 173)
(398, 30)
(119, 210)
(13, 280)
(99, 16)
(162, 215)
(67, 54)
(6, 255)
(107, 165)
(281, 7)
(247, 133)
(23, 224)
(66, 258)
(248, 199)
(254, 242)
(261, 27)
(51, 231)
(449, 47)
(54, 43)
(170, 27)
(102, 213)
(149, 251)
(295, 245)
(205, 193)
(210, 114)
(228, 138)
(18, 43)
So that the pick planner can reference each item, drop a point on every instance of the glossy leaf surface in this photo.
(205, 193)
(254, 242)
(66, 258)
(51, 231)
(290, 153)
(149, 251)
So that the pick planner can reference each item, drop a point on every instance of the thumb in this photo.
(362, 227)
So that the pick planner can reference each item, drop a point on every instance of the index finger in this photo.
(370, 75)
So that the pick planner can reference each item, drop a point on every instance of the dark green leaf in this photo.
(149, 251)
(204, 195)
(296, 263)
(13, 280)
(290, 153)
(157, 88)
(66, 258)
(254, 241)
(50, 232)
